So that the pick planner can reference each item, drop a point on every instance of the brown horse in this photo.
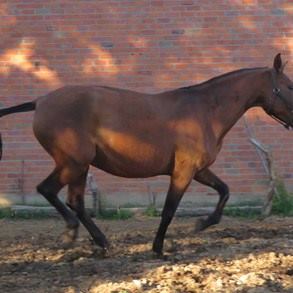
(177, 133)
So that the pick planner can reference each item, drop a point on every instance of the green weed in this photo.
(241, 213)
(24, 214)
(117, 214)
(282, 201)
(5, 213)
(151, 211)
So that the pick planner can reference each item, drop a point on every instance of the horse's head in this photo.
(279, 96)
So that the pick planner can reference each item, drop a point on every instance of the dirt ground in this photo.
(235, 256)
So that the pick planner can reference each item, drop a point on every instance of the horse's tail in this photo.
(26, 107)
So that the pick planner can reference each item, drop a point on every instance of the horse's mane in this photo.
(220, 77)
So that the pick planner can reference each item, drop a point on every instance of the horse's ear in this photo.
(278, 62)
(283, 66)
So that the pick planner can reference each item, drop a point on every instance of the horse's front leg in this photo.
(180, 180)
(207, 177)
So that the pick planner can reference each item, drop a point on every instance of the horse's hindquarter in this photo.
(61, 124)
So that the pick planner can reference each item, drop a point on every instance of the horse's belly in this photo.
(134, 166)
(130, 156)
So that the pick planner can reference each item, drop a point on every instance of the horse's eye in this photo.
(290, 87)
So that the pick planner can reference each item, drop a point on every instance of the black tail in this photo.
(26, 107)
(30, 106)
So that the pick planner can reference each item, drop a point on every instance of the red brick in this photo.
(155, 45)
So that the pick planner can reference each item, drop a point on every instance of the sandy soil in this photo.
(235, 256)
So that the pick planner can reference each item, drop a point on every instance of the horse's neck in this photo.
(233, 97)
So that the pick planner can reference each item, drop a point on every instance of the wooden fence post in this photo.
(267, 160)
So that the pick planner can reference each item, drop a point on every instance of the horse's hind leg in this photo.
(208, 178)
(75, 201)
(49, 188)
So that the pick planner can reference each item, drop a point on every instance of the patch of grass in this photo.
(131, 205)
(5, 213)
(247, 203)
(23, 214)
(36, 204)
(282, 201)
(242, 213)
(38, 214)
(118, 214)
(151, 211)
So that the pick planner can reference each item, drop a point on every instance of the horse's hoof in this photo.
(157, 255)
(67, 238)
(160, 256)
(105, 246)
(65, 244)
(200, 225)
(102, 252)
(106, 252)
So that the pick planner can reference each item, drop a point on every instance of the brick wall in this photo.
(149, 46)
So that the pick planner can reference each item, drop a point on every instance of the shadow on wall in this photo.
(150, 46)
